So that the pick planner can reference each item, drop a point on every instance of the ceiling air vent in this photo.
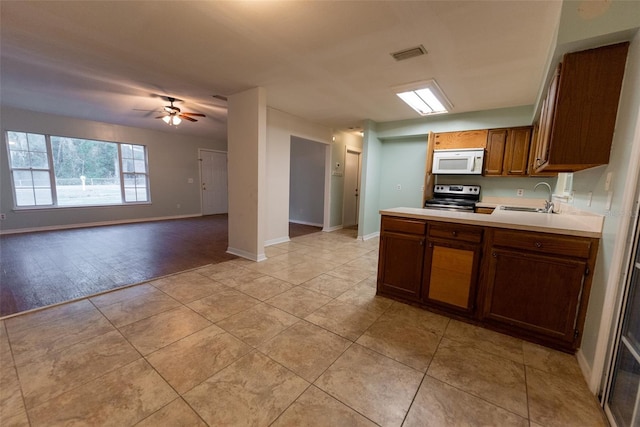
(412, 52)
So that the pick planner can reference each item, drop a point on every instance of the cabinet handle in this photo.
(454, 233)
(538, 245)
(493, 254)
(421, 242)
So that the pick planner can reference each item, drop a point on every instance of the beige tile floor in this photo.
(299, 339)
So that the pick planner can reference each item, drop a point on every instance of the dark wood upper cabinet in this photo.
(517, 151)
(507, 152)
(579, 113)
(496, 144)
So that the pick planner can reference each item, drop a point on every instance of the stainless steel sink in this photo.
(523, 209)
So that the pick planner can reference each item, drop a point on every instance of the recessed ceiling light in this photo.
(425, 97)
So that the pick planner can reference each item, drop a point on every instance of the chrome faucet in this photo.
(548, 204)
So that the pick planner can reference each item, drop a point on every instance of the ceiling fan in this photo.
(174, 115)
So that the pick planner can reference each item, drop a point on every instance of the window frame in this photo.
(52, 176)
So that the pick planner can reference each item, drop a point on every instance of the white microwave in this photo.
(464, 161)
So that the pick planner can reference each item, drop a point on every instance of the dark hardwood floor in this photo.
(296, 230)
(44, 268)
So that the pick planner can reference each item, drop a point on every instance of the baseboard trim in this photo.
(313, 224)
(95, 224)
(247, 255)
(369, 236)
(277, 240)
(586, 369)
(334, 228)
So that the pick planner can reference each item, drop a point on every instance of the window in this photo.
(134, 166)
(83, 172)
(30, 171)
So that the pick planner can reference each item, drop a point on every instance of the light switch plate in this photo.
(607, 206)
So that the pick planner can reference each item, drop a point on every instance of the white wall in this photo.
(338, 155)
(306, 182)
(247, 158)
(280, 128)
(173, 160)
(607, 274)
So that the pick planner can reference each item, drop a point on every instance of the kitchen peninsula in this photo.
(527, 274)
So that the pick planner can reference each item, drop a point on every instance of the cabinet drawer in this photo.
(543, 243)
(411, 226)
(455, 232)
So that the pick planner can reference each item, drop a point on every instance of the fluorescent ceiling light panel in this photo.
(424, 97)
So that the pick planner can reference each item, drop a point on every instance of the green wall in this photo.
(402, 164)
(395, 153)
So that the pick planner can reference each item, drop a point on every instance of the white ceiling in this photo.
(325, 61)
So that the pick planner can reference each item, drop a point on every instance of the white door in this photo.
(351, 188)
(213, 174)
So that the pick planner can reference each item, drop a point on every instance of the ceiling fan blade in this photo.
(182, 116)
(160, 117)
(195, 114)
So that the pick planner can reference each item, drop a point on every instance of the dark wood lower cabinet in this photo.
(400, 263)
(527, 284)
(534, 293)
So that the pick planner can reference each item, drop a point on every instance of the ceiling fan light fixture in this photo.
(172, 120)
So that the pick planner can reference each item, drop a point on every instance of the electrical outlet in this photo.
(3, 216)
(399, 187)
(178, 206)
(520, 192)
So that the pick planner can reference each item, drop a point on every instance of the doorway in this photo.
(350, 206)
(307, 181)
(213, 181)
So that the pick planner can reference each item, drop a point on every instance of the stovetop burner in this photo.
(454, 197)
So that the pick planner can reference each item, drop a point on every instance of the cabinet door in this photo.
(586, 107)
(532, 165)
(536, 293)
(517, 151)
(400, 264)
(496, 143)
(450, 275)
(546, 122)
(460, 139)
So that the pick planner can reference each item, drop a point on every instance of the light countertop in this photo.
(570, 223)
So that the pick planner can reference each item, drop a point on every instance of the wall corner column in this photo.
(247, 149)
